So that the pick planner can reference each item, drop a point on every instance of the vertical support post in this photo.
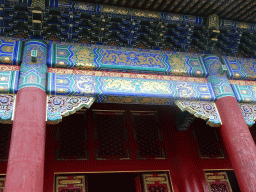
(25, 169)
(234, 130)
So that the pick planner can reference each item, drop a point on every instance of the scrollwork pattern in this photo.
(60, 106)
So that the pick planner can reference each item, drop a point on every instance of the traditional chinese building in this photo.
(127, 95)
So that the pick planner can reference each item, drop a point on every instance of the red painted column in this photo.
(238, 142)
(25, 168)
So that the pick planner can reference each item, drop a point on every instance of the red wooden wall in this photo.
(183, 161)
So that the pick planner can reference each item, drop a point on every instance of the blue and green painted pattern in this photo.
(219, 82)
(82, 56)
(9, 81)
(10, 51)
(120, 12)
(241, 68)
(33, 74)
(245, 93)
(99, 86)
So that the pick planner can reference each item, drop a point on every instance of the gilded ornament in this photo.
(178, 64)
(84, 57)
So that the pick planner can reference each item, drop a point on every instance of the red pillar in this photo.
(26, 157)
(238, 142)
(25, 168)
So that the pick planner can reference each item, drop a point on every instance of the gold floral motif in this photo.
(120, 84)
(242, 25)
(178, 64)
(155, 87)
(142, 60)
(249, 67)
(84, 57)
(115, 10)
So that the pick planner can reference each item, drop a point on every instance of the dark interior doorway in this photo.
(114, 182)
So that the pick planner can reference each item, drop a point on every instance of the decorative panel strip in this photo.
(156, 182)
(203, 110)
(218, 181)
(241, 68)
(249, 112)
(245, 93)
(61, 106)
(119, 84)
(7, 108)
(111, 135)
(148, 136)
(10, 51)
(82, 56)
(9, 78)
(70, 184)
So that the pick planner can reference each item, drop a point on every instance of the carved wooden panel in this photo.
(110, 135)
(147, 135)
(156, 182)
(70, 184)
(218, 181)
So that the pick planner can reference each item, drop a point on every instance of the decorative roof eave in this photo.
(203, 110)
(61, 106)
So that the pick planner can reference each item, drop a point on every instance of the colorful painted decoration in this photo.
(156, 182)
(9, 78)
(70, 183)
(218, 181)
(10, 51)
(219, 82)
(245, 93)
(7, 107)
(33, 74)
(249, 112)
(60, 106)
(203, 110)
(241, 68)
(81, 56)
(98, 84)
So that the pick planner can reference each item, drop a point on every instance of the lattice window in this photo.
(110, 135)
(5, 137)
(156, 182)
(147, 135)
(208, 139)
(70, 183)
(218, 181)
(71, 136)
